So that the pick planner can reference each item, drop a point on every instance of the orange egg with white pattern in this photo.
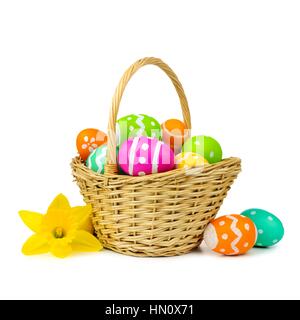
(88, 140)
(231, 235)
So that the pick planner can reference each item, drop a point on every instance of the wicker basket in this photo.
(163, 214)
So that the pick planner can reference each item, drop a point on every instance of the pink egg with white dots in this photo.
(143, 155)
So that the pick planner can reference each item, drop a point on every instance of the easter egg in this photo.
(97, 159)
(206, 146)
(174, 133)
(189, 160)
(231, 235)
(88, 140)
(143, 155)
(269, 228)
(136, 125)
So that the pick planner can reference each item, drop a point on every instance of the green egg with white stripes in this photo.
(269, 228)
(136, 125)
(97, 159)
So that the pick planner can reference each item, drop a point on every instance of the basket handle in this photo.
(111, 166)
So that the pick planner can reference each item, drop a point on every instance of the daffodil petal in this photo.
(81, 214)
(87, 225)
(85, 241)
(60, 249)
(83, 217)
(59, 203)
(36, 244)
(33, 220)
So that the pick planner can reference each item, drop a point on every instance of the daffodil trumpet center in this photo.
(58, 233)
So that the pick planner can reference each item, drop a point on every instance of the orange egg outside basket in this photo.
(231, 235)
(162, 214)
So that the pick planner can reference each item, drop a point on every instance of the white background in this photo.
(239, 62)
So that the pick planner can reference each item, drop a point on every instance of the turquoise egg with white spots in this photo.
(207, 147)
(269, 228)
(97, 159)
(137, 125)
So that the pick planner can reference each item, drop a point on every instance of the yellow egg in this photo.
(189, 160)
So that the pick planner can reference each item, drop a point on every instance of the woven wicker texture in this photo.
(162, 214)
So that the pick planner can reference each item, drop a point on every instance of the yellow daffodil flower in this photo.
(61, 230)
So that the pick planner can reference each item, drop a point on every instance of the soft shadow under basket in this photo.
(163, 214)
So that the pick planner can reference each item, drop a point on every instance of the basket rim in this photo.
(231, 161)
